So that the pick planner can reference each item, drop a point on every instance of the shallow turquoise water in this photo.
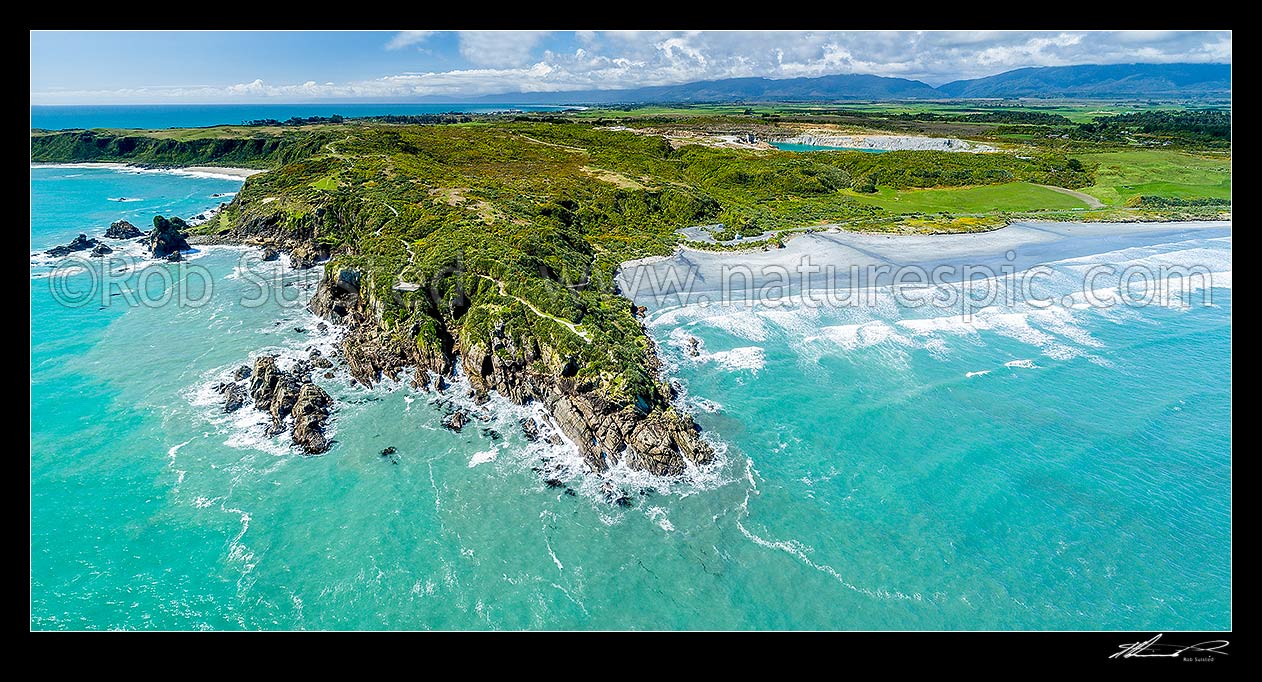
(868, 481)
(58, 117)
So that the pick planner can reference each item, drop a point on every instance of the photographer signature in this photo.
(1154, 649)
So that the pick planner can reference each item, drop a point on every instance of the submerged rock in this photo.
(234, 396)
(317, 359)
(243, 372)
(121, 229)
(529, 429)
(270, 254)
(80, 243)
(456, 420)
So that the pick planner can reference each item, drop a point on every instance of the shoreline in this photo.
(227, 172)
(761, 242)
(1029, 243)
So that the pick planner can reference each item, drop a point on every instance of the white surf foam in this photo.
(483, 457)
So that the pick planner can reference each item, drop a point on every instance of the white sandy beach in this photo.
(199, 171)
(1019, 246)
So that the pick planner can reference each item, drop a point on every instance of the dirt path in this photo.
(402, 285)
(1091, 201)
(554, 144)
(569, 325)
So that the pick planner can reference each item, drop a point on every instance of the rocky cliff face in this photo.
(370, 350)
(267, 233)
(649, 438)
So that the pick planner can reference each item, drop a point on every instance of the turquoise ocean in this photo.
(879, 470)
(149, 116)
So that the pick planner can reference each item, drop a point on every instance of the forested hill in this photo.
(1095, 81)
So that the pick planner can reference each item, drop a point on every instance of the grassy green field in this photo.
(327, 183)
(518, 208)
(1013, 196)
(1124, 174)
(1078, 111)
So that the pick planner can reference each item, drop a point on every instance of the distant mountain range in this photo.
(1130, 81)
(846, 86)
(1113, 81)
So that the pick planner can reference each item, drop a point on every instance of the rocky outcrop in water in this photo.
(311, 410)
(167, 237)
(529, 429)
(234, 395)
(80, 243)
(270, 254)
(661, 442)
(100, 250)
(456, 420)
(317, 359)
(291, 394)
(121, 229)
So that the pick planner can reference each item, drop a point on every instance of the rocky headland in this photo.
(605, 431)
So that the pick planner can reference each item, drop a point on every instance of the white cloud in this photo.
(499, 48)
(511, 61)
(404, 39)
(1145, 36)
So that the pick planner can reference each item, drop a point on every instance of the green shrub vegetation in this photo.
(523, 223)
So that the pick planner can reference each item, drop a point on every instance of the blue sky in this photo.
(103, 67)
